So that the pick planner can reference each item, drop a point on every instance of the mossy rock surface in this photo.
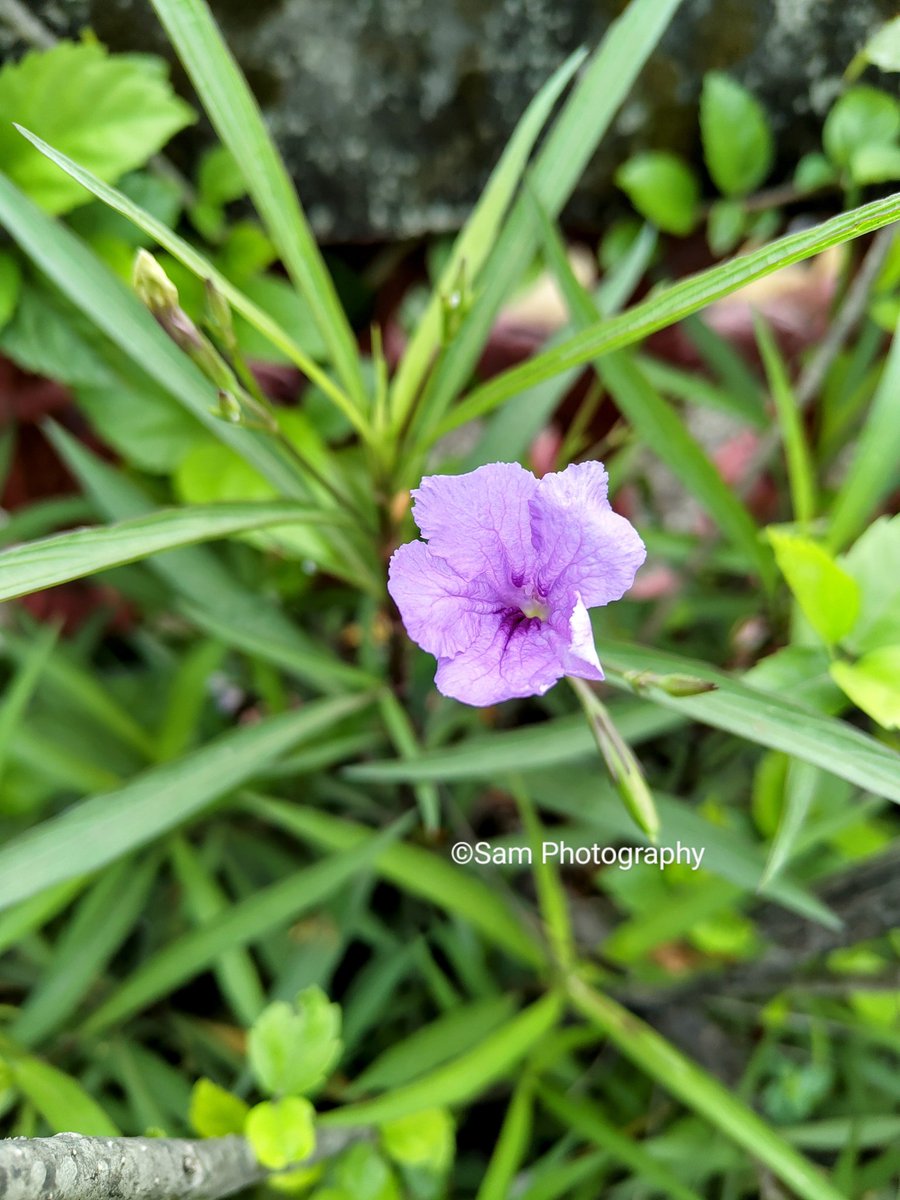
(391, 113)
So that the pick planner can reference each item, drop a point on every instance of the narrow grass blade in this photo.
(235, 116)
(190, 257)
(65, 556)
(875, 470)
(461, 1080)
(512, 1146)
(668, 305)
(580, 1116)
(413, 870)
(113, 308)
(801, 474)
(799, 792)
(477, 239)
(61, 1100)
(21, 688)
(99, 925)
(100, 830)
(699, 1091)
(766, 719)
(238, 925)
(586, 116)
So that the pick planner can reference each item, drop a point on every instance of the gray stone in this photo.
(391, 112)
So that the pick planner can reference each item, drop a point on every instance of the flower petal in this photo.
(441, 611)
(480, 522)
(578, 653)
(580, 543)
(518, 657)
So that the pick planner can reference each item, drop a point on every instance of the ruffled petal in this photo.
(518, 657)
(579, 654)
(580, 544)
(442, 612)
(480, 522)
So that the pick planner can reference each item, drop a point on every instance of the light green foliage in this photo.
(215, 1112)
(10, 287)
(827, 594)
(882, 50)
(109, 112)
(727, 222)
(293, 1048)
(360, 1174)
(423, 1139)
(874, 562)
(873, 683)
(281, 1132)
(861, 131)
(663, 188)
(737, 139)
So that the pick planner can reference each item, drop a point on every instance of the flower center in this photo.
(534, 608)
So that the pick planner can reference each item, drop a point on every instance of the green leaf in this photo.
(727, 223)
(293, 1049)
(10, 287)
(701, 1092)
(874, 562)
(801, 475)
(115, 310)
(460, 1081)
(512, 1146)
(119, 110)
(423, 1139)
(605, 82)
(827, 594)
(862, 116)
(236, 117)
(414, 870)
(873, 473)
(281, 1132)
(873, 684)
(664, 190)
(875, 164)
(882, 50)
(215, 1112)
(149, 429)
(48, 338)
(765, 718)
(477, 238)
(64, 556)
(275, 906)
(202, 268)
(101, 829)
(737, 139)
(670, 304)
(813, 171)
(61, 1100)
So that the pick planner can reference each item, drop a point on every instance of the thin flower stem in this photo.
(623, 767)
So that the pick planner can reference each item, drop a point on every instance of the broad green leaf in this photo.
(767, 719)
(292, 1049)
(875, 470)
(875, 164)
(862, 116)
(726, 225)
(281, 1132)
(664, 190)
(235, 116)
(214, 1112)
(102, 829)
(670, 304)
(676, 1073)
(477, 237)
(414, 870)
(827, 594)
(191, 258)
(114, 309)
(737, 139)
(588, 113)
(60, 1099)
(874, 562)
(242, 923)
(873, 684)
(424, 1139)
(64, 556)
(141, 422)
(46, 338)
(460, 1081)
(882, 50)
(119, 110)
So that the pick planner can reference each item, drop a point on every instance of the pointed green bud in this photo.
(153, 286)
(673, 685)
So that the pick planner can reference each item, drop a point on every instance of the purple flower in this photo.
(500, 594)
